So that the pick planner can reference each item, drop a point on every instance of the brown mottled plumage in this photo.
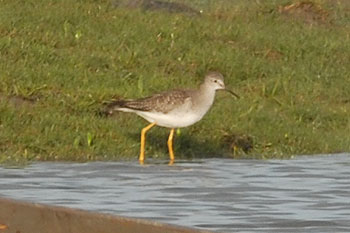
(162, 102)
(173, 109)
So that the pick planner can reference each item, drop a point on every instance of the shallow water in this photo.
(305, 194)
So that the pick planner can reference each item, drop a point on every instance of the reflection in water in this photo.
(306, 194)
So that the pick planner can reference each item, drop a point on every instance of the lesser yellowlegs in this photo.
(173, 109)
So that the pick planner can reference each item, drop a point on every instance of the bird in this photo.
(173, 109)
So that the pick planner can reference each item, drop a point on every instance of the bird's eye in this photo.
(215, 81)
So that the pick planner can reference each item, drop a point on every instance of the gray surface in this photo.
(306, 194)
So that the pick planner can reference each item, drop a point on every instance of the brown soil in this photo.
(308, 11)
(157, 5)
(18, 101)
(239, 142)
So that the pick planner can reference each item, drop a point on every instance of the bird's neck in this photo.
(206, 89)
(205, 96)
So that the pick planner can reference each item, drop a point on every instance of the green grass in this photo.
(71, 56)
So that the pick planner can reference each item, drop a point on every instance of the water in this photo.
(306, 194)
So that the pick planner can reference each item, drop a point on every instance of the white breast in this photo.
(172, 119)
(190, 112)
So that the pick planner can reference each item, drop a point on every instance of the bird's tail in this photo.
(113, 106)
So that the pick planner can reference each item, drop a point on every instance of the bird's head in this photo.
(215, 80)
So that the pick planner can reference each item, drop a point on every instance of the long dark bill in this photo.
(232, 93)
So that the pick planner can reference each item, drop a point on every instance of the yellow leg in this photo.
(170, 145)
(3, 227)
(143, 141)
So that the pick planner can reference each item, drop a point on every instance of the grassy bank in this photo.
(60, 60)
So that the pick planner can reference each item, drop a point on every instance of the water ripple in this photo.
(306, 194)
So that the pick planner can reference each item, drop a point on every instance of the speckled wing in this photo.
(163, 102)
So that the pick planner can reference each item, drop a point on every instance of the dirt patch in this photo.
(270, 54)
(239, 142)
(18, 101)
(157, 5)
(273, 54)
(308, 11)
